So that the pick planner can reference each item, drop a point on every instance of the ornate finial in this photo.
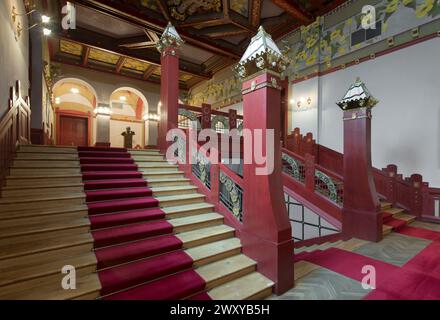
(357, 96)
(170, 37)
(262, 53)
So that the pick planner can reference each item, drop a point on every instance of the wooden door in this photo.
(73, 131)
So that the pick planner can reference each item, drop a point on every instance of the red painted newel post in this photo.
(206, 116)
(168, 47)
(361, 217)
(266, 232)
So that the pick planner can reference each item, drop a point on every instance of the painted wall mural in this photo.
(319, 45)
(220, 92)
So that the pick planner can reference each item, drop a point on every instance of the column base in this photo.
(275, 260)
(362, 224)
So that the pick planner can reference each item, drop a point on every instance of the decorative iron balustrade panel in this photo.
(231, 195)
(220, 124)
(201, 168)
(294, 167)
(180, 151)
(306, 225)
(330, 188)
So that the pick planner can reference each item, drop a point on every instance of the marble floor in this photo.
(315, 282)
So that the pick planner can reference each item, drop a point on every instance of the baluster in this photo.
(390, 189)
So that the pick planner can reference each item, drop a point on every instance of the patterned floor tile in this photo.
(395, 248)
(323, 284)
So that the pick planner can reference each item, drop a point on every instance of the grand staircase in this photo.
(129, 222)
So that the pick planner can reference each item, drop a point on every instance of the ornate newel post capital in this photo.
(357, 102)
(262, 54)
(361, 216)
(266, 233)
(169, 41)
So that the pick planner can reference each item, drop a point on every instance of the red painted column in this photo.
(168, 47)
(266, 233)
(169, 94)
(361, 217)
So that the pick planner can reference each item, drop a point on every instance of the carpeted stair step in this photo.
(111, 175)
(40, 202)
(386, 217)
(181, 199)
(123, 253)
(114, 184)
(71, 223)
(55, 189)
(103, 154)
(108, 167)
(41, 181)
(117, 235)
(121, 205)
(394, 211)
(253, 286)
(41, 267)
(66, 210)
(102, 149)
(123, 218)
(88, 287)
(126, 252)
(173, 190)
(102, 160)
(141, 271)
(114, 194)
(167, 182)
(36, 243)
(186, 283)
(396, 224)
(148, 159)
(188, 210)
(174, 287)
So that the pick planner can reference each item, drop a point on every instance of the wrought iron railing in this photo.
(306, 226)
(201, 169)
(231, 195)
(294, 167)
(329, 187)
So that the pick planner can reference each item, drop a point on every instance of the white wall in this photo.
(406, 129)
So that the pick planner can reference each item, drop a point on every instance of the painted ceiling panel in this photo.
(71, 48)
(103, 56)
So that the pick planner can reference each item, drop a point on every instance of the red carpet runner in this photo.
(138, 255)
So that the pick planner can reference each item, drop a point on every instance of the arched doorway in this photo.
(129, 107)
(75, 101)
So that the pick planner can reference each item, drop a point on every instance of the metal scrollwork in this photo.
(180, 152)
(333, 193)
(221, 119)
(293, 164)
(234, 194)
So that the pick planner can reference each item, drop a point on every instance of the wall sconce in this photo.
(45, 20)
(57, 100)
(103, 110)
(303, 101)
(151, 117)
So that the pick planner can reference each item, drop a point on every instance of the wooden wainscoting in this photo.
(14, 128)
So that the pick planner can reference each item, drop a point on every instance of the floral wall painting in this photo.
(320, 45)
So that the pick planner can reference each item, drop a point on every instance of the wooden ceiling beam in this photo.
(223, 31)
(242, 22)
(85, 56)
(120, 64)
(294, 10)
(164, 9)
(142, 20)
(89, 38)
(147, 74)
